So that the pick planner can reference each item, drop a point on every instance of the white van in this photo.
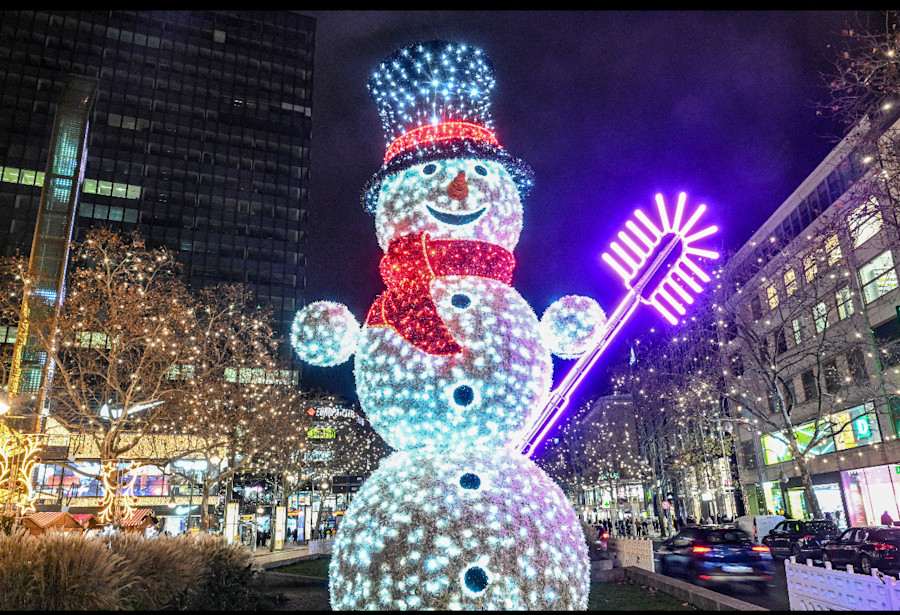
(758, 526)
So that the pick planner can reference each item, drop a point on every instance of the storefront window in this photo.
(831, 504)
(852, 428)
(774, 498)
(872, 491)
(797, 504)
(878, 276)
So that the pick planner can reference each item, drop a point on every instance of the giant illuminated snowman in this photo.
(451, 364)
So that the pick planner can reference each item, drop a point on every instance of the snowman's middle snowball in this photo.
(482, 395)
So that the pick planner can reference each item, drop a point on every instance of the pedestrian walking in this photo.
(886, 519)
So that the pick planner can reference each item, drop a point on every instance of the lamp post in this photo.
(729, 421)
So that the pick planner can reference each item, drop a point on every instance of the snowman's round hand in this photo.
(325, 333)
(570, 323)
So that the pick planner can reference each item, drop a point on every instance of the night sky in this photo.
(608, 108)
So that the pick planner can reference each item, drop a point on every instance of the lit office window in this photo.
(833, 250)
(790, 281)
(865, 222)
(820, 316)
(772, 296)
(878, 276)
(810, 267)
(844, 302)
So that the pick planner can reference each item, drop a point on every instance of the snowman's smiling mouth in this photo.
(455, 219)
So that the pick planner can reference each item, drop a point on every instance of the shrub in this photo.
(167, 568)
(19, 555)
(74, 573)
(67, 571)
(229, 580)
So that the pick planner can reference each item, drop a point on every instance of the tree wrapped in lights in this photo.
(237, 401)
(125, 324)
(597, 448)
(299, 458)
(674, 380)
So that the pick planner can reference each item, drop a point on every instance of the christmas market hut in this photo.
(40, 522)
(88, 521)
(140, 520)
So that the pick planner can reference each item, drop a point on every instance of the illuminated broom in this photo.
(642, 258)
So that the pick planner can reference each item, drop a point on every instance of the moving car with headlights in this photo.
(802, 538)
(715, 554)
(865, 548)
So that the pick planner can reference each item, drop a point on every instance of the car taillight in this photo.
(605, 534)
(702, 549)
(880, 546)
(761, 549)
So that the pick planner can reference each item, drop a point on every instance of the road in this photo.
(775, 599)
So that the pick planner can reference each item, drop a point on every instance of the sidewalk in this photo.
(274, 559)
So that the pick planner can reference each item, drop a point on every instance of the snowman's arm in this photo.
(325, 333)
(569, 325)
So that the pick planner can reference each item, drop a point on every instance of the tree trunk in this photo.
(204, 506)
(811, 498)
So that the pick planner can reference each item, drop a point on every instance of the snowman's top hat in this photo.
(434, 102)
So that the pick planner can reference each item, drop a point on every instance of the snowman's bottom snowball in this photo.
(475, 528)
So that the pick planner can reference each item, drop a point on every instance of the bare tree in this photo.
(597, 448)
(124, 325)
(237, 400)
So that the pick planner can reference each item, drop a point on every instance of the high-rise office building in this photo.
(199, 137)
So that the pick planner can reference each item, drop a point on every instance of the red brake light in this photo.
(605, 535)
(702, 549)
(880, 546)
(761, 549)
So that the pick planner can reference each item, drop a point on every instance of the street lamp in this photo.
(728, 423)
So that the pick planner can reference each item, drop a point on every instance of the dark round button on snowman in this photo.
(451, 364)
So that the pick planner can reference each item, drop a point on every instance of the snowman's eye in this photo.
(480, 170)
(429, 169)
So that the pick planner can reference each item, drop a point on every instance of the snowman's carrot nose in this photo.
(458, 189)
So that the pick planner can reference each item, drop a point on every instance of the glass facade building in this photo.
(199, 136)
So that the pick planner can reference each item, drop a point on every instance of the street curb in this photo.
(279, 563)
(700, 597)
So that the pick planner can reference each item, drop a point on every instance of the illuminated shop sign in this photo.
(843, 430)
(321, 433)
(332, 412)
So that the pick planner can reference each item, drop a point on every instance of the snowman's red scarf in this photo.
(408, 267)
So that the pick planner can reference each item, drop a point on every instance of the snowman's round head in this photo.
(444, 170)
(456, 198)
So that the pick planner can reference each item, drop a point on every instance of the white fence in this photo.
(632, 552)
(811, 588)
(321, 546)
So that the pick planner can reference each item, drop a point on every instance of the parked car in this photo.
(711, 554)
(801, 537)
(865, 548)
(758, 526)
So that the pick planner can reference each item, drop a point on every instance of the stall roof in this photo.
(51, 519)
(138, 517)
